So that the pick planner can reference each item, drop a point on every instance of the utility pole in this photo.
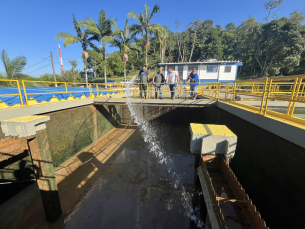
(53, 69)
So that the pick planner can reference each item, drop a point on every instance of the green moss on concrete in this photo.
(72, 130)
(1, 133)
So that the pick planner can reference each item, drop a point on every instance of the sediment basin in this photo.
(135, 191)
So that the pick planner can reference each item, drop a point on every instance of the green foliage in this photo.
(14, 66)
(71, 75)
(115, 63)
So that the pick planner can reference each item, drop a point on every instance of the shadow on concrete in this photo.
(16, 168)
(111, 113)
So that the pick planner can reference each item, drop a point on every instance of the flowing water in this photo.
(152, 138)
(148, 182)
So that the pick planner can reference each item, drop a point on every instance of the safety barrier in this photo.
(254, 95)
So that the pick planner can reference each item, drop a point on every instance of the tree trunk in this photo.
(125, 71)
(105, 69)
(146, 55)
(146, 48)
(160, 53)
(86, 73)
(179, 46)
(193, 47)
(94, 68)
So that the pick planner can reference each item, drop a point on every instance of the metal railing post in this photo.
(267, 99)
(292, 94)
(20, 95)
(97, 92)
(25, 95)
(295, 96)
(263, 96)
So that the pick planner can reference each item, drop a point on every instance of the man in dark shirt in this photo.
(144, 78)
(157, 79)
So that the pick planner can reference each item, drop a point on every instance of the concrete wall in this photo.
(269, 167)
(1, 133)
(70, 131)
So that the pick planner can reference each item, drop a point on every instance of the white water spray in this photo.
(151, 137)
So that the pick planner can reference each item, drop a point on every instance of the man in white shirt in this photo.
(172, 78)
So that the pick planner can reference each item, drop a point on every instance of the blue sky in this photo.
(29, 27)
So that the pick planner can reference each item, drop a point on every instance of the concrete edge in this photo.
(43, 108)
(208, 202)
(288, 132)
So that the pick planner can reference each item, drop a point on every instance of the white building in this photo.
(210, 71)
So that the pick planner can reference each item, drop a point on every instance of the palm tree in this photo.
(81, 37)
(123, 40)
(101, 31)
(145, 27)
(162, 37)
(13, 66)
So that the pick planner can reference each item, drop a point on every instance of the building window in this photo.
(212, 68)
(228, 69)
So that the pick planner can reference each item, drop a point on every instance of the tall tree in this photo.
(162, 36)
(278, 42)
(123, 40)
(145, 27)
(14, 66)
(195, 28)
(101, 31)
(81, 37)
(271, 7)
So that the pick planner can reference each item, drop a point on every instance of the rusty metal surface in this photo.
(216, 206)
(228, 193)
(249, 209)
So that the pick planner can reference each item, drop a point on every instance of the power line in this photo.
(34, 64)
(39, 68)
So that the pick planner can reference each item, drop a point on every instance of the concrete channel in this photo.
(123, 186)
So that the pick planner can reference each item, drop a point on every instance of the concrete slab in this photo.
(41, 109)
(24, 126)
(212, 139)
(165, 102)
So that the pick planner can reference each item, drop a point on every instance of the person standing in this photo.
(172, 78)
(144, 78)
(194, 79)
(157, 79)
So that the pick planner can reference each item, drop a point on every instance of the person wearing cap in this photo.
(193, 77)
(157, 79)
(144, 78)
(173, 79)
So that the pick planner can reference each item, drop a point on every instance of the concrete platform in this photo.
(163, 102)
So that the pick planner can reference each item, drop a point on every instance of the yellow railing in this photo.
(287, 92)
(13, 83)
(256, 95)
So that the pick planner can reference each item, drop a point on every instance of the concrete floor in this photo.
(123, 187)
